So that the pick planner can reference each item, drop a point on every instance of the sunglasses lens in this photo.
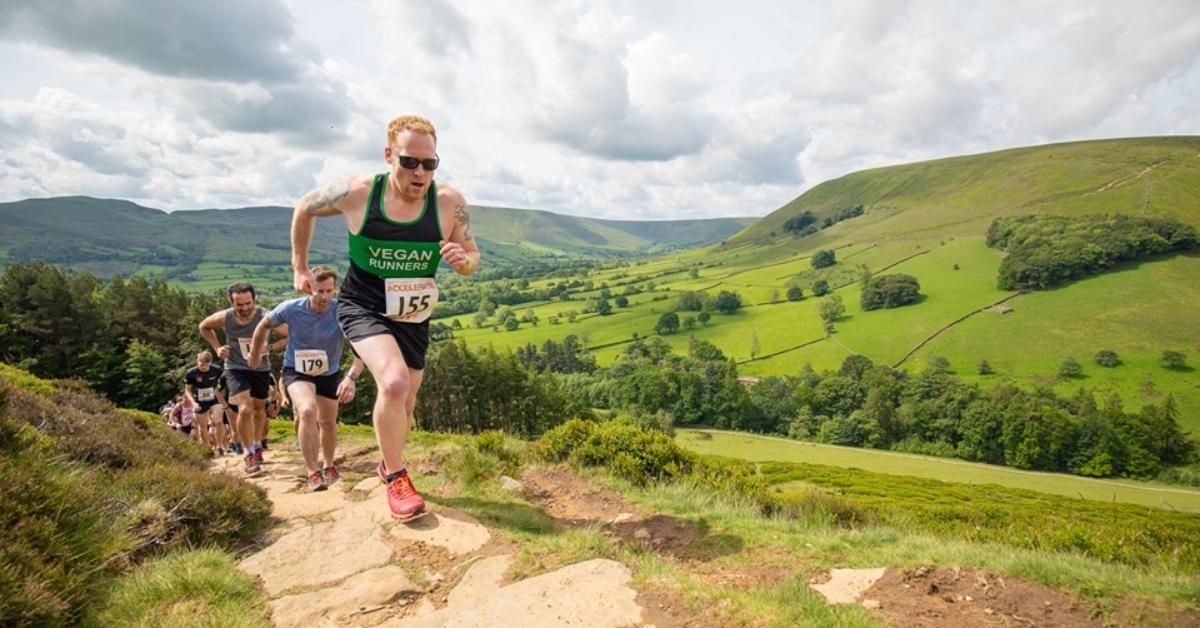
(411, 163)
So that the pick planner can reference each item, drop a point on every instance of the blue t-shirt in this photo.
(310, 332)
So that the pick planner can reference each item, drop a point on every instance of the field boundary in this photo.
(955, 461)
(781, 352)
(956, 321)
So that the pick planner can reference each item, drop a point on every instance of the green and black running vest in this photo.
(384, 249)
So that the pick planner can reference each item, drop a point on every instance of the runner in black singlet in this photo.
(200, 385)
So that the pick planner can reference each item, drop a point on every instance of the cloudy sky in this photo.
(622, 109)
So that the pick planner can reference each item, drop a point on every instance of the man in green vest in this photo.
(401, 225)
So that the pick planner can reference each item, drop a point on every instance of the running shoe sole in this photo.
(412, 517)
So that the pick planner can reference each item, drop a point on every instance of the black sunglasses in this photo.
(410, 163)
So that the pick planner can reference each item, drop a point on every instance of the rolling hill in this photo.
(962, 195)
(207, 248)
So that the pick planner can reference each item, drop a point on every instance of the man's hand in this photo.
(345, 391)
(255, 358)
(302, 280)
(455, 255)
(223, 351)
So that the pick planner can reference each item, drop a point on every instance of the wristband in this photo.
(353, 377)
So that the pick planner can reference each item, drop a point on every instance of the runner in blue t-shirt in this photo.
(310, 371)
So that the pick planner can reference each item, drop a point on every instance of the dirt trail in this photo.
(1119, 181)
(337, 558)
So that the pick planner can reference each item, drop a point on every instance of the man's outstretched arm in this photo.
(317, 203)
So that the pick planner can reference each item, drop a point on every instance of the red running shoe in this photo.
(331, 475)
(316, 482)
(252, 465)
(258, 456)
(402, 496)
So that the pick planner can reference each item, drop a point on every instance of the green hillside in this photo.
(928, 220)
(210, 248)
(962, 195)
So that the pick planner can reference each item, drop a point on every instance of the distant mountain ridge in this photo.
(115, 236)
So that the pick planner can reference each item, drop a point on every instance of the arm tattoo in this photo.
(323, 198)
(464, 218)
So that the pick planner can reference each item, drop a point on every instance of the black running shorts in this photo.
(327, 385)
(205, 406)
(359, 323)
(257, 382)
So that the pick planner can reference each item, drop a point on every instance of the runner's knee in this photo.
(395, 387)
(307, 415)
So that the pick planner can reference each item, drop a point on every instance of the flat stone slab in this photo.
(454, 530)
(592, 593)
(482, 578)
(846, 586)
(319, 555)
(366, 485)
(449, 528)
(304, 504)
(337, 606)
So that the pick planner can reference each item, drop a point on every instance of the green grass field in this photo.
(1137, 311)
(772, 449)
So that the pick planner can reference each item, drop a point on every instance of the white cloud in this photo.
(621, 109)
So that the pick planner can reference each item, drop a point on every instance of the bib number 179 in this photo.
(312, 361)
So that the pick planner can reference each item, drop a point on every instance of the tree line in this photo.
(1045, 250)
(130, 340)
(805, 223)
(863, 404)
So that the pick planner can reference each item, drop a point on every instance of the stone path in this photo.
(339, 559)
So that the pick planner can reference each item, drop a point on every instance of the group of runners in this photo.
(203, 410)
(401, 225)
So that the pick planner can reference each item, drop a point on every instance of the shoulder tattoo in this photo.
(326, 197)
(464, 218)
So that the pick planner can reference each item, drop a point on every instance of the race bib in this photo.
(311, 362)
(246, 344)
(410, 300)
(206, 394)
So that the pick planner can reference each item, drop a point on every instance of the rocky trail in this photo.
(337, 558)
